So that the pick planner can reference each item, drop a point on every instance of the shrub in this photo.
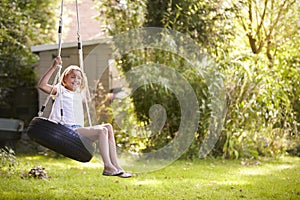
(8, 162)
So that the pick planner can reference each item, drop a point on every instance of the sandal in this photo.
(109, 173)
(125, 175)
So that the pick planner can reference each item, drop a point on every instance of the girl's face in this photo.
(72, 81)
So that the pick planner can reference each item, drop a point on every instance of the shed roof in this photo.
(49, 47)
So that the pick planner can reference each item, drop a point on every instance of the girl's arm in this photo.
(43, 82)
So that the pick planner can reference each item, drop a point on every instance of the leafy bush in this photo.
(8, 162)
(260, 118)
(121, 116)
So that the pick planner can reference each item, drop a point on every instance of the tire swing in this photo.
(56, 136)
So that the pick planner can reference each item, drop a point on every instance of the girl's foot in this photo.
(111, 173)
(125, 175)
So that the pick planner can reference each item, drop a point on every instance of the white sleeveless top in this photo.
(72, 107)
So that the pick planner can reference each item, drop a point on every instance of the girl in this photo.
(72, 84)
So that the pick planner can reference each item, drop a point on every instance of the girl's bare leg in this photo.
(101, 134)
(112, 146)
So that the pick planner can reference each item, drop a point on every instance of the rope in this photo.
(60, 66)
(87, 94)
(79, 38)
(60, 27)
(57, 77)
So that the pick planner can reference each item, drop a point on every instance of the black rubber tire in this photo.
(60, 139)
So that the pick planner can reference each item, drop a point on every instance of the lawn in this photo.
(201, 179)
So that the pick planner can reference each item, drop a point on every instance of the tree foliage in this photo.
(120, 17)
(264, 23)
(262, 96)
(255, 45)
(23, 24)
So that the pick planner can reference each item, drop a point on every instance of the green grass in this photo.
(201, 179)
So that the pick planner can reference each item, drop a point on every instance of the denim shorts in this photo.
(73, 127)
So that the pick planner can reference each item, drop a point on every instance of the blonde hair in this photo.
(68, 70)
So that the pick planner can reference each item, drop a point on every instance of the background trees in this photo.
(255, 44)
(23, 24)
(262, 115)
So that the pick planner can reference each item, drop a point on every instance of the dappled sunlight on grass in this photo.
(90, 165)
(93, 164)
(227, 182)
(284, 166)
(32, 158)
(255, 171)
(268, 168)
(143, 165)
(265, 170)
(148, 182)
(198, 179)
